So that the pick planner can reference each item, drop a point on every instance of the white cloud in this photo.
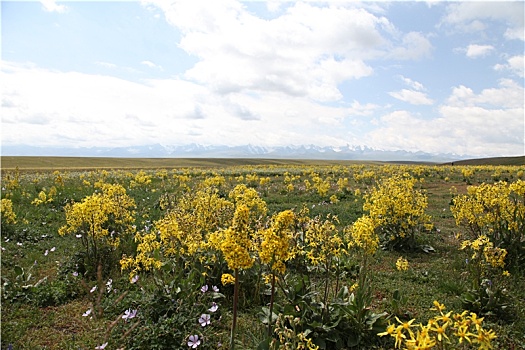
(508, 95)
(412, 97)
(413, 84)
(475, 51)
(52, 6)
(515, 64)
(414, 46)
(468, 16)
(45, 107)
(489, 123)
(151, 64)
(304, 51)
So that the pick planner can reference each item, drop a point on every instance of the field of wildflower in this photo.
(264, 256)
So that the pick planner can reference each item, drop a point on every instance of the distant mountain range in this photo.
(248, 151)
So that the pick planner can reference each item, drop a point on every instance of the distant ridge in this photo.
(348, 152)
(520, 160)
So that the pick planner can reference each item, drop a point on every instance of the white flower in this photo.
(204, 320)
(103, 346)
(93, 289)
(194, 341)
(108, 285)
(87, 313)
(135, 279)
(214, 307)
(129, 314)
(215, 289)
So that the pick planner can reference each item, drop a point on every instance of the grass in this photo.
(29, 163)
(52, 318)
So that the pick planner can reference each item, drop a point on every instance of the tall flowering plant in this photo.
(397, 209)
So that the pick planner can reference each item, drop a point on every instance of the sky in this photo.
(436, 77)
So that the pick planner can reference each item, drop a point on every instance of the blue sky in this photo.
(438, 77)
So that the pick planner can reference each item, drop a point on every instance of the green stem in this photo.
(235, 302)
(271, 306)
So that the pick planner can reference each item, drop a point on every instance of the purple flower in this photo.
(135, 279)
(194, 341)
(204, 320)
(75, 274)
(129, 314)
(215, 289)
(204, 288)
(214, 307)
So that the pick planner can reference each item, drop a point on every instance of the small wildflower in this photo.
(214, 307)
(109, 286)
(78, 236)
(46, 252)
(103, 346)
(506, 273)
(204, 320)
(215, 289)
(87, 313)
(194, 341)
(93, 289)
(129, 314)
(135, 279)
(204, 288)
(75, 274)
(402, 264)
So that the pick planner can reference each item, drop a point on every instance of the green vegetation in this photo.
(172, 253)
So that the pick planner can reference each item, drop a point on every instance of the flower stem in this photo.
(271, 307)
(235, 302)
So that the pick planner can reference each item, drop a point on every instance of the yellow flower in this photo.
(226, 279)
(402, 264)
(6, 208)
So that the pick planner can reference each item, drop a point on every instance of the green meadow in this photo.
(122, 253)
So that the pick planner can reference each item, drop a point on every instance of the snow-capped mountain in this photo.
(347, 152)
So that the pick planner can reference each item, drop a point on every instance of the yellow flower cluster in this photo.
(236, 242)
(402, 264)
(45, 198)
(186, 229)
(144, 260)
(8, 215)
(496, 213)
(140, 179)
(487, 206)
(276, 240)
(362, 234)
(396, 205)
(96, 214)
(322, 241)
(454, 329)
(483, 249)
(227, 278)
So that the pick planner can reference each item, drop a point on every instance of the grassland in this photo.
(49, 315)
(89, 163)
